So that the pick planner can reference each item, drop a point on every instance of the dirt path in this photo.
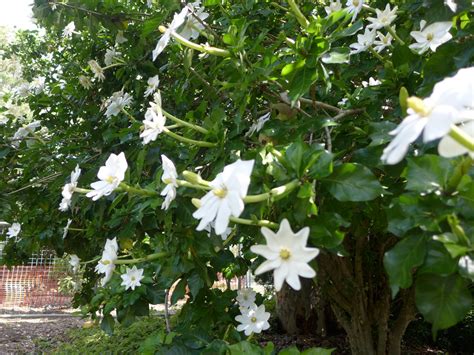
(18, 335)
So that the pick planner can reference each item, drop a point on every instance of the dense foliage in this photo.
(301, 93)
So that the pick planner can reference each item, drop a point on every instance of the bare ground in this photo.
(18, 333)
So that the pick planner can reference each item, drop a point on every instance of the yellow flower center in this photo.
(132, 278)
(220, 192)
(253, 319)
(167, 181)
(429, 36)
(417, 105)
(285, 254)
(110, 179)
(355, 2)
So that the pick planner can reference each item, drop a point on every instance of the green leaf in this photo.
(400, 261)
(443, 301)
(244, 347)
(337, 56)
(107, 324)
(353, 182)
(179, 291)
(427, 173)
(294, 155)
(302, 80)
(438, 261)
(290, 351)
(195, 284)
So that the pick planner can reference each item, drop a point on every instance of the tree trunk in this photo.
(295, 308)
(358, 291)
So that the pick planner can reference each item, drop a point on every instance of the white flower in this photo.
(38, 84)
(333, 7)
(383, 42)
(97, 70)
(212, 226)
(110, 55)
(371, 82)
(69, 29)
(257, 126)
(14, 230)
(431, 36)
(226, 197)
(254, 320)
(384, 18)
(149, 3)
(364, 41)
(154, 121)
(193, 26)
(117, 102)
(110, 175)
(169, 178)
(287, 255)
(74, 262)
(68, 189)
(353, 7)
(66, 229)
(178, 20)
(106, 265)
(153, 83)
(132, 278)
(24, 131)
(119, 38)
(450, 148)
(452, 101)
(85, 81)
(246, 297)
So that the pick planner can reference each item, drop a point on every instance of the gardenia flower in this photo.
(154, 121)
(69, 29)
(451, 102)
(132, 278)
(193, 26)
(153, 83)
(117, 102)
(24, 131)
(246, 297)
(450, 148)
(110, 55)
(14, 230)
(333, 7)
(169, 178)
(384, 18)
(431, 36)
(68, 190)
(254, 320)
(74, 262)
(106, 265)
(110, 175)
(66, 229)
(226, 197)
(119, 38)
(383, 42)
(178, 20)
(364, 41)
(38, 84)
(287, 255)
(257, 126)
(97, 70)
(85, 81)
(354, 7)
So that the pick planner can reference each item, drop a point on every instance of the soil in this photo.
(22, 333)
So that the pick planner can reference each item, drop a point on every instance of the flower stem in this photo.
(188, 140)
(141, 260)
(195, 178)
(394, 34)
(132, 119)
(379, 57)
(462, 138)
(91, 261)
(258, 222)
(77, 229)
(274, 193)
(303, 21)
(81, 191)
(184, 123)
(199, 47)
(113, 65)
(137, 191)
(192, 186)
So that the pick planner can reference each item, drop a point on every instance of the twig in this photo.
(167, 314)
